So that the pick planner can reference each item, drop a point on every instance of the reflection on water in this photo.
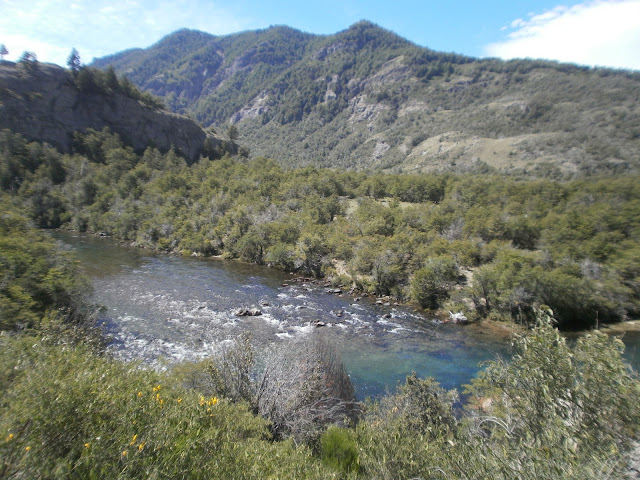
(162, 308)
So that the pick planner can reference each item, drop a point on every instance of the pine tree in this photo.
(73, 61)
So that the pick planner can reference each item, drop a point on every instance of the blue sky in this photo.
(588, 32)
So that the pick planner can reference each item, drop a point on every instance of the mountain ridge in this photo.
(367, 98)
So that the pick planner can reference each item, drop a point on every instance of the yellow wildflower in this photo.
(141, 446)
(202, 401)
(124, 453)
(87, 445)
(180, 400)
(139, 394)
(9, 437)
(28, 448)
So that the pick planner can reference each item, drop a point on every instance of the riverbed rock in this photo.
(457, 318)
(248, 312)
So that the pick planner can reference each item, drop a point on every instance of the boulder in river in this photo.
(458, 318)
(248, 312)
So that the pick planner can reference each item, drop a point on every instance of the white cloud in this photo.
(594, 33)
(50, 28)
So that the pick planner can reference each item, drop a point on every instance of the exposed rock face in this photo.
(43, 103)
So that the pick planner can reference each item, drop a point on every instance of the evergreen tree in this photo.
(3, 51)
(73, 61)
(233, 133)
(29, 61)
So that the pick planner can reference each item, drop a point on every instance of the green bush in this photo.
(67, 413)
(430, 284)
(339, 450)
(35, 278)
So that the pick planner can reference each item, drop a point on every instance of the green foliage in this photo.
(406, 435)
(66, 412)
(557, 404)
(506, 246)
(36, 279)
(339, 450)
(92, 80)
(430, 284)
(555, 410)
(29, 62)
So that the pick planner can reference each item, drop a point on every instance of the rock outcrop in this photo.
(42, 102)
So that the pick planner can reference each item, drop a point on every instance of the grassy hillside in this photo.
(367, 98)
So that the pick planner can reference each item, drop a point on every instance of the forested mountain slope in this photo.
(367, 98)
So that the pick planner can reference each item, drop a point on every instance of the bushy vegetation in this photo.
(36, 280)
(92, 80)
(69, 413)
(490, 246)
(536, 416)
(68, 410)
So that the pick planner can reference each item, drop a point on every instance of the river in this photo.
(163, 309)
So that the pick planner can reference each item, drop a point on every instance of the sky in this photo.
(588, 32)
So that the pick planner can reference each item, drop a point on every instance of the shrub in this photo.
(339, 450)
(303, 388)
(430, 284)
(67, 413)
(555, 408)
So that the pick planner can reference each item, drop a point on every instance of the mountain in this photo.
(48, 103)
(367, 98)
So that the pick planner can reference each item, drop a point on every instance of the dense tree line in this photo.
(490, 246)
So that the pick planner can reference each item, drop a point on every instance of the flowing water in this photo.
(163, 309)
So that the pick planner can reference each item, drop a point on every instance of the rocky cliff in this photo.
(44, 102)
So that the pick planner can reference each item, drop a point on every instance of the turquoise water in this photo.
(163, 309)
